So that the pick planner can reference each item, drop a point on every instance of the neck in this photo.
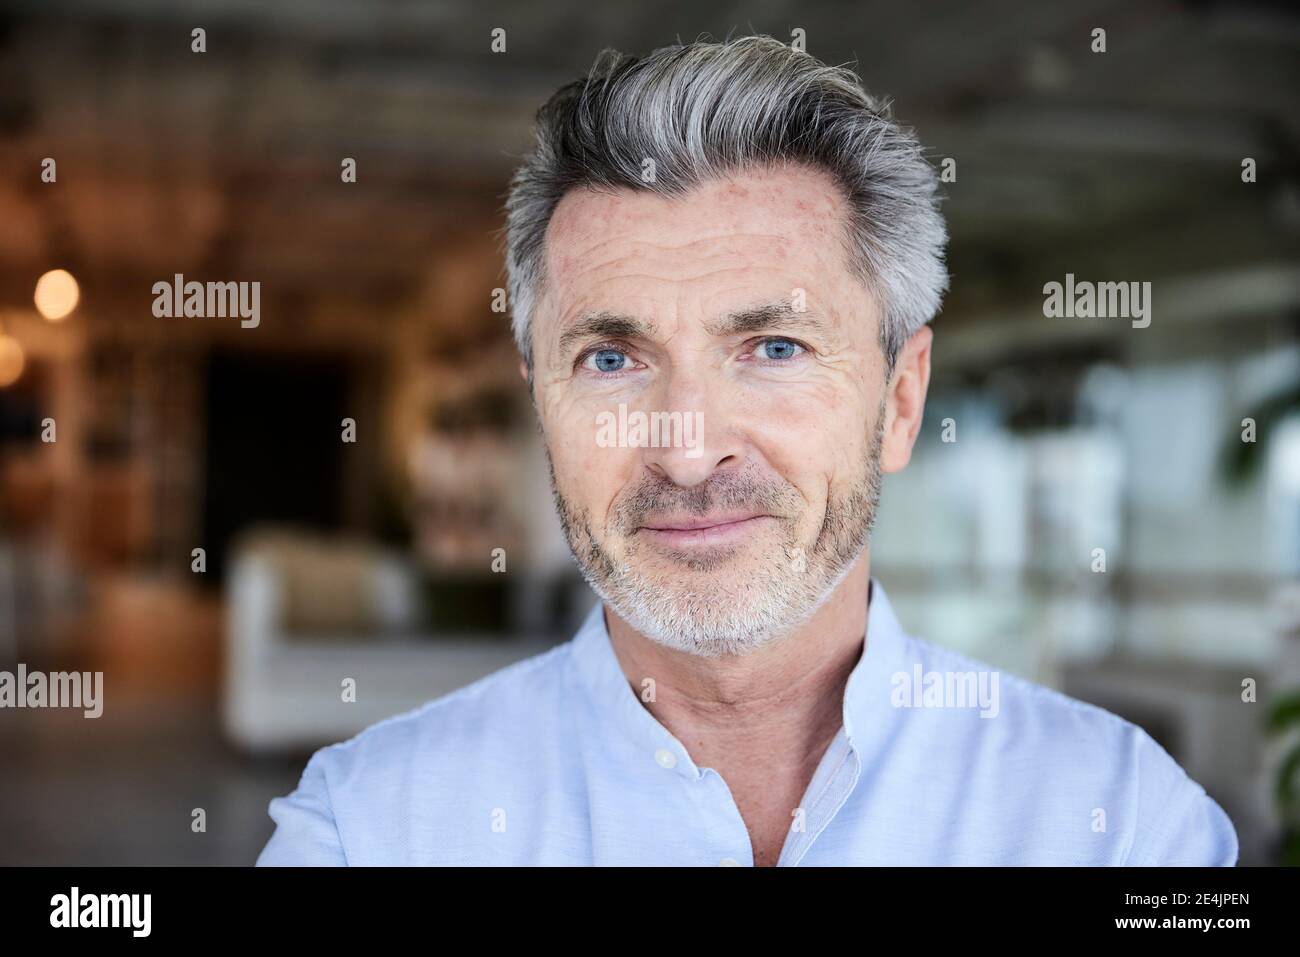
(783, 699)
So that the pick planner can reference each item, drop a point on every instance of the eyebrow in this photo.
(778, 315)
(773, 315)
(603, 325)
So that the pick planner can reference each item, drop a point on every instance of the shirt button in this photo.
(665, 758)
(728, 862)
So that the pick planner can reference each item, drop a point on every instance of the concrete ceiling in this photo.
(228, 162)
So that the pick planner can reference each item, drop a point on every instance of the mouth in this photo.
(703, 530)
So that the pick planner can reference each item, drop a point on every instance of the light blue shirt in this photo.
(555, 761)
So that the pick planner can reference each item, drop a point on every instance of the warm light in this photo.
(11, 360)
(56, 294)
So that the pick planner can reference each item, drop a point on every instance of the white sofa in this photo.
(283, 686)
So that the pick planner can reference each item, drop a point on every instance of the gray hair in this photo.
(704, 110)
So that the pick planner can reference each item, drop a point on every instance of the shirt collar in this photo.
(866, 695)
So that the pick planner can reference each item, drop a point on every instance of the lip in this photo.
(695, 530)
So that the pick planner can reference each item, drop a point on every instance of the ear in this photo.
(905, 401)
(523, 370)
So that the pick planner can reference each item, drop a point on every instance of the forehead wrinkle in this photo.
(716, 244)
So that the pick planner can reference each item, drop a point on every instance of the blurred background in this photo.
(325, 560)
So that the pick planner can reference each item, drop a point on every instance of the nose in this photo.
(705, 438)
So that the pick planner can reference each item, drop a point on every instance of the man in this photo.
(736, 235)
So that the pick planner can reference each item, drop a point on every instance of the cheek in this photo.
(588, 474)
(822, 423)
(817, 439)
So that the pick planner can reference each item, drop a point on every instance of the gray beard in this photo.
(712, 619)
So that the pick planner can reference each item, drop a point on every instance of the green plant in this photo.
(1283, 717)
(1241, 461)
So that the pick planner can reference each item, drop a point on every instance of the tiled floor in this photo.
(122, 789)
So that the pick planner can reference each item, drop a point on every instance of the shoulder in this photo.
(1051, 751)
(500, 706)
(361, 801)
(1007, 703)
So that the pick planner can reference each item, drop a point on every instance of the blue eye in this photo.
(608, 360)
(778, 349)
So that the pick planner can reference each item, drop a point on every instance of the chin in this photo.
(709, 637)
(711, 615)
